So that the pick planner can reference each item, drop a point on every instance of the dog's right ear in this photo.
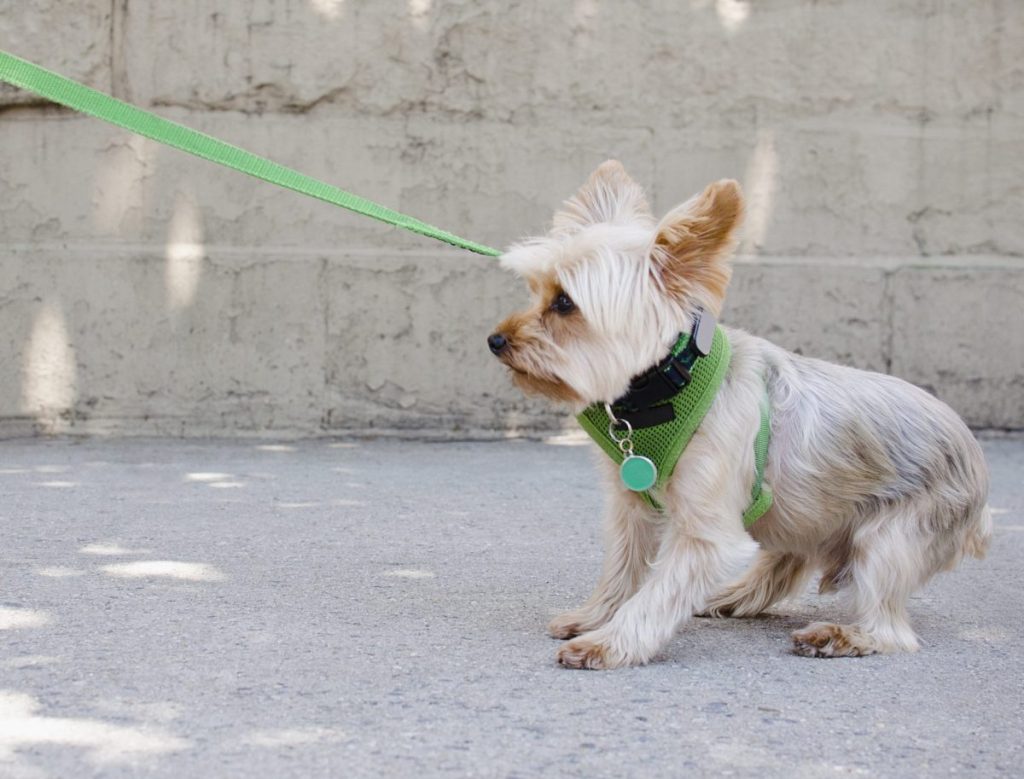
(609, 195)
(693, 243)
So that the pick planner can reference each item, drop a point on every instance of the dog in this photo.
(876, 484)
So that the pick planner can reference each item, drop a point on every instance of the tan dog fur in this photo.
(877, 484)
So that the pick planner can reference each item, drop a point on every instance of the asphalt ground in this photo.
(251, 608)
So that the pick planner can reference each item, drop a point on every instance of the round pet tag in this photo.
(638, 473)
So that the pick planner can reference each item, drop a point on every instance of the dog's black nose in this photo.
(497, 342)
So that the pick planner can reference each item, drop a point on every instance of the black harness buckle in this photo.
(644, 404)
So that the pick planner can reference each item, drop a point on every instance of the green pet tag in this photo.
(638, 473)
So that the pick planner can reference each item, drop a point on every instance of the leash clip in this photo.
(625, 443)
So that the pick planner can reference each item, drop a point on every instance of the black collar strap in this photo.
(644, 404)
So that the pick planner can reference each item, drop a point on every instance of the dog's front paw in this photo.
(589, 652)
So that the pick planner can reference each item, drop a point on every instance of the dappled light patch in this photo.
(732, 14)
(109, 550)
(286, 737)
(58, 485)
(568, 438)
(184, 253)
(21, 726)
(14, 618)
(328, 9)
(120, 186)
(276, 448)
(419, 13)
(310, 504)
(29, 661)
(221, 481)
(986, 634)
(49, 378)
(759, 185)
(165, 569)
(59, 572)
(410, 573)
(584, 12)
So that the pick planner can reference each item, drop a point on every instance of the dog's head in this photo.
(612, 288)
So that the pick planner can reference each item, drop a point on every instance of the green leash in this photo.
(66, 92)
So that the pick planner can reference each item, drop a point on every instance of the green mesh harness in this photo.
(664, 443)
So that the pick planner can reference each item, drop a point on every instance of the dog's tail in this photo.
(979, 534)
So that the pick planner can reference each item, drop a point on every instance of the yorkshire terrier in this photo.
(877, 485)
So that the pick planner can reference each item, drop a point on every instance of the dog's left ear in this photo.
(693, 243)
(609, 195)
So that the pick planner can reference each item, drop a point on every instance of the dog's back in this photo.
(850, 447)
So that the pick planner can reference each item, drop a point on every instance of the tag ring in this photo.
(614, 423)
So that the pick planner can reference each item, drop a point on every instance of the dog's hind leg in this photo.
(889, 560)
(631, 539)
(772, 577)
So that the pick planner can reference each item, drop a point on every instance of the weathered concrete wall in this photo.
(881, 145)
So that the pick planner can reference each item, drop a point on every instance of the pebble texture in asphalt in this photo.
(246, 608)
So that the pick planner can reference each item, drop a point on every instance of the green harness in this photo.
(664, 443)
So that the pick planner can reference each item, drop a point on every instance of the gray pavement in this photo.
(246, 608)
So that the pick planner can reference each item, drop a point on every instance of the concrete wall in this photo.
(880, 142)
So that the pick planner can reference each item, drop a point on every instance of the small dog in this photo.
(876, 483)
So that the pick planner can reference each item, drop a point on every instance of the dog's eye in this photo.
(563, 304)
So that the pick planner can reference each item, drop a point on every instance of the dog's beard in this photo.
(552, 388)
(534, 381)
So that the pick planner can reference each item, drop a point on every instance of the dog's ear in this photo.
(609, 195)
(693, 243)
